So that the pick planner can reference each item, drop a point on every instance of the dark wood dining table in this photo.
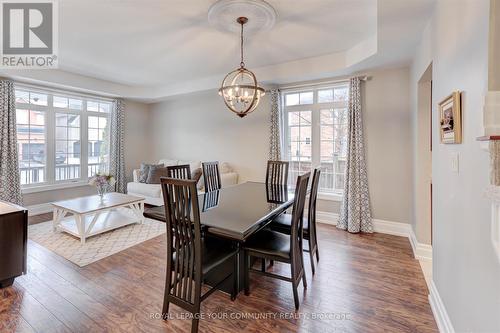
(236, 213)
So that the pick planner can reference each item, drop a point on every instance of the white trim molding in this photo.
(421, 251)
(440, 315)
(382, 226)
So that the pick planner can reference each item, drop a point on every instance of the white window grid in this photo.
(50, 111)
(332, 168)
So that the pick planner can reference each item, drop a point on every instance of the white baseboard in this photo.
(421, 251)
(439, 311)
(382, 226)
(39, 209)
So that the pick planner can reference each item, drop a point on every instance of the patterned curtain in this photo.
(355, 212)
(10, 184)
(275, 123)
(117, 145)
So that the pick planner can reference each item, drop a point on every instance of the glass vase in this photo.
(101, 190)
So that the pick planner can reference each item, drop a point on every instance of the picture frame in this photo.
(450, 118)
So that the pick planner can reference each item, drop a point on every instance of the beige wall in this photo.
(387, 123)
(136, 150)
(466, 272)
(494, 56)
(198, 126)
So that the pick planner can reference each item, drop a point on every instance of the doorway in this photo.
(423, 207)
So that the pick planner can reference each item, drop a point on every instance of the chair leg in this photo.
(263, 267)
(247, 273)
(304, 280)
(271, 263)
(195, 323)
(235, 277)
(317, 247)
(166, 304)
(311, 255)
(295, 296)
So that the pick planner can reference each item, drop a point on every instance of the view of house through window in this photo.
(316, 133)
(60, 138)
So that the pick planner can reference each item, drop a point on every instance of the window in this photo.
(316, 134)
(61, 138)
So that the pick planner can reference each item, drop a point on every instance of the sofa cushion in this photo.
(193, 165)
(166, 162)
(144, 171)
(198, 174)
(224, 167)
(155, 173)
(147, 190)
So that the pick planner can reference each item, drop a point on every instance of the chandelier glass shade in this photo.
(240, 90)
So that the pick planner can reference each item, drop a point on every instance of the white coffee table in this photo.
(89, 216)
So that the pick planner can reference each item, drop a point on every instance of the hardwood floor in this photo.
(363, 283)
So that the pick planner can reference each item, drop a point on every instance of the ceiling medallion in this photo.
(240, 90)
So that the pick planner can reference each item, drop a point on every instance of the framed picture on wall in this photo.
(450, 119)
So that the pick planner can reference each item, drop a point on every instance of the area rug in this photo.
(96, 247)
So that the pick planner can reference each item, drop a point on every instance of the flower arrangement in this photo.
(102, 182)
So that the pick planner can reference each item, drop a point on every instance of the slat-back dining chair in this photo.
(272, 245)
(189, 255)
(283, 223)
(277, 172)
(179, 171)
(211, 176)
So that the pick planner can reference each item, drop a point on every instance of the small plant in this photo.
(102, 182)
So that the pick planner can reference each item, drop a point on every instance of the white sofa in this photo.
(152, 192)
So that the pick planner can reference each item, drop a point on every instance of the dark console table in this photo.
(13, 242)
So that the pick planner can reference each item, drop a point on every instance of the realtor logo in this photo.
(29, 34)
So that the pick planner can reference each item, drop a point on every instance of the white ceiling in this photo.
(149, 49)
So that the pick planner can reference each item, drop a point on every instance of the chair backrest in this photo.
(277, 172)
(179, 171)
(297, 217)
(313, 196)
(210, 200)
(211, 176)
(184, 240)
(277, 194)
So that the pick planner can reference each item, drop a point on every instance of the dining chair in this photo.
(283, 223)
(179, 171)
(211, 176)
(210, 200)
(273, 245)
(277, 172)
(190, 256)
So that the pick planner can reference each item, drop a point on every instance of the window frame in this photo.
(315, 108)
(50, 111)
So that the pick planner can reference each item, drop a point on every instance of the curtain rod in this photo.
(69, 93)
(321, 83)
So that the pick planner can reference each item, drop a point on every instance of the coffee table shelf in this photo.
(90, 216)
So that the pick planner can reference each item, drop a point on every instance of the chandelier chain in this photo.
(242, 63)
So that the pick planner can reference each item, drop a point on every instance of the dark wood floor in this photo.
(364, 283)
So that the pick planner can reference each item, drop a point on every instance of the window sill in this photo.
(51, 187)
(330, 196)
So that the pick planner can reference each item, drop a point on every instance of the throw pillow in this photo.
(144, 171)
(196, 175)
(155, 173)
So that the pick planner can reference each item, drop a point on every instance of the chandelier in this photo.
(239, 89)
